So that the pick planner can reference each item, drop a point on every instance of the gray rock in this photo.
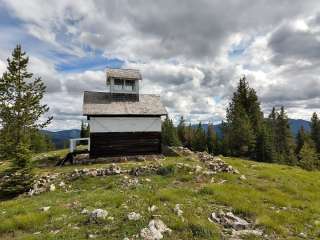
(155, 230)
(178, 210)
(229, 220)
(134, 216)
(45, 209)
(97, 215)
(243, 177)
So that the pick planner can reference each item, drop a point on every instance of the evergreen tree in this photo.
(308, 158)
(40, 142)
(301, 138)
(264, 146)
(20, 112)
(182, 131)
(198, 142)
(169, 133)
(82, 130)
(244, 118)
(315, 131)
(243, 121)
(212, 140)
(189, 136)
(284, 141)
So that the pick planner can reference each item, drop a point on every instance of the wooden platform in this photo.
(124, 143)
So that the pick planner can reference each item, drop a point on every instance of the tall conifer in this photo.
(20, 114)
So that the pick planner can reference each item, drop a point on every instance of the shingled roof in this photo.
(124, 73)
(100, 103)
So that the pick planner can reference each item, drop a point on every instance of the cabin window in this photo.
(118, 84)
(130, 85)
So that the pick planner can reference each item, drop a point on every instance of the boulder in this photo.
(229, 220)
(97, 215)
(155, 230)
(134, 216)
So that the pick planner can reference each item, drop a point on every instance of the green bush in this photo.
(15, 181)
(169, 170)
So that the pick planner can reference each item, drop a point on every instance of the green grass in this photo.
(283, 201)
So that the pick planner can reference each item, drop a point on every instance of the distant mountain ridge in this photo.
(61, 138)
(295, 125)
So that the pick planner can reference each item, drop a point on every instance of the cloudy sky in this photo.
(190, 52)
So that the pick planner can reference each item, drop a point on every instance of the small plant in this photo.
(169, 170)
(206, 191)
(201, 231)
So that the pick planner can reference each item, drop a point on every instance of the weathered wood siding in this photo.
(103, 144)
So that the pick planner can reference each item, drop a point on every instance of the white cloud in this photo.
(192, 53)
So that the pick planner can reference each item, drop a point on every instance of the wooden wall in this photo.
(124, 143)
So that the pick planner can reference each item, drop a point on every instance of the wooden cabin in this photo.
(123, 121)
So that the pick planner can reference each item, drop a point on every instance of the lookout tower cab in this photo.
(123, 83)
(123, 121)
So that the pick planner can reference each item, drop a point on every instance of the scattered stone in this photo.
(45, 209)
(222, 181)
(229, 220)
(155, 230)
(198, 169)
(97, 214)
(55, 231)
(302, 235)
(134, 216)
(92, 236)
(37, 233)
(145, 170)
(153, 208)
(243, 177)
(52, 188)
(42, 184)
(62, 184)
(214, 163)
(84, 211)
(113, 169)
(246, 232)
(178, 210)
(141, 158)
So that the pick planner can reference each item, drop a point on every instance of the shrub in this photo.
(167, 170)
(15, 181)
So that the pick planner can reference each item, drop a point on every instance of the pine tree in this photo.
(20, 113)
(169, 133)
(198, 142)
(244, 118)
(315, 131)
(301, 138)
(284, 141)
(264, 147)
(181, 129)
(308, 158)
(212, 140)
(189, 136)
(40, 142)
(82, 130)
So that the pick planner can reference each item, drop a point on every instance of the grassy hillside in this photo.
(282, 201)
